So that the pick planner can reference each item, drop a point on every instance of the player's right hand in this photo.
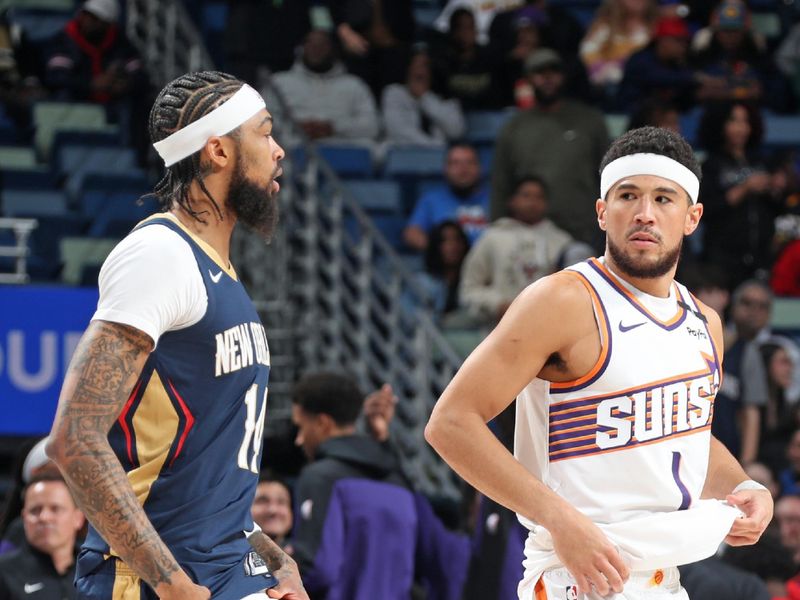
(588, 555)
(183, 591)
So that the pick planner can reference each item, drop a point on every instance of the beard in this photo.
(628, 264)
(255, 206)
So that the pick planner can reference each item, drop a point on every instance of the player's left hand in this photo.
(290, 586)
(757, 506)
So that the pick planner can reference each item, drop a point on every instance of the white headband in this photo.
(649, 164)
(223, 119)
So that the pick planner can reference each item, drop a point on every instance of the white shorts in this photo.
(661, 584)
(257, 596)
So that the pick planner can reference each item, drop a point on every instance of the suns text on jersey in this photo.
(239, 346)
(659, 412)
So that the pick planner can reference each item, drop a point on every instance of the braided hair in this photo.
(183, 101)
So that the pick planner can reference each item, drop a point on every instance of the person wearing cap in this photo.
(736, 55)
(159, 427)
(615, 367)
(91, 60)
(557, 139)
(662, 70)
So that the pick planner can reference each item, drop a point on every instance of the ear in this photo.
(693, 216)
(601, 206)
(219, 151)
(326, 422)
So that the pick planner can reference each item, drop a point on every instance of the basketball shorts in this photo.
(661, 584)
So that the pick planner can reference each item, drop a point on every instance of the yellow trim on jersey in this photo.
(155, 425)
(205, 246)
(126, 582)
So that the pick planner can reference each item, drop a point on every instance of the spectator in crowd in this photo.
(20, 74)
(620, 28)
(559, 140)
(272, 509)
(712, 579)
(326, 101)
(485, 13)
(734, 55)
(355, 534)
(656, 113)
(785, 277)
(376, 36)
(414, 114)
(789, 478)
(444, 257)
(779, 417)
(91, 59)
(787, 515)
(462, 67)
(264, 34)
(662, 69)
(31, 462)
(463, 199)
(761, 473)
(739, 207)
(45, 564)
(512, 253)
(744, 384)
(709, 283)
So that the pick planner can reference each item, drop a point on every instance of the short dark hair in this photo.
(182, 101)
(331, 394)
(461, 143)
(530, 179)
(736, 297)
(653, 140)
(711, 131)
(46, 476)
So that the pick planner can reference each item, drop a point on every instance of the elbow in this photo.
(54, 448)
(436, 429)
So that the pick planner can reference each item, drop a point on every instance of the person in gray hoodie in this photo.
(327, 102)
(512, 253)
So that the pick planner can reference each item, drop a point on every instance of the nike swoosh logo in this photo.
(624, 328)
(33, 587)
(215, 278)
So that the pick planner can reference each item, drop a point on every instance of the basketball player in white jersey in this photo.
(615, 367)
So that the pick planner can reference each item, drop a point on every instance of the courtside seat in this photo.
(782, 131)
(34, 203)
(483, 126)
(80, 252)
(414, 161)
(348, 160)
(376, 196)
(51, 117)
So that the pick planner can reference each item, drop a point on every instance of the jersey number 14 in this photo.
(253, 430)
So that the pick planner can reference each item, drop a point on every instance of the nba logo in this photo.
(572, 592)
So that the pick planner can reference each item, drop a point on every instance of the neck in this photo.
(62, 558)
(214, 231)
(655, 286)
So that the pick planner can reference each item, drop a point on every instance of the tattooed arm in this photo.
(101, 375)
(281, 565)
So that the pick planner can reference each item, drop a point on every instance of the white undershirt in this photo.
(151, 281)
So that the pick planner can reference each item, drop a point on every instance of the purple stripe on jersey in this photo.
(556, 427)
(616, 286)
(676, 473)
(560, 415)
(566, 444)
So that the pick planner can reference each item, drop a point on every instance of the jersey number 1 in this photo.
(253, 429)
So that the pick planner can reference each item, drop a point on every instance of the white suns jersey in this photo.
(631, 437)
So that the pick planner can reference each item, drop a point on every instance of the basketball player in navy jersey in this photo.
(160, 420)
(614, 366)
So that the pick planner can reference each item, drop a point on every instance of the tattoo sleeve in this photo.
(273, 555)
(105, 367)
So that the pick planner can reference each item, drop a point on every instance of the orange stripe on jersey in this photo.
(156, 425)
(539, 593)
(614, 280)
(605, 336)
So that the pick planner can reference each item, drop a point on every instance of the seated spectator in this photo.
(761, 473)
(462, 199)
(789, 478)
(709, 283)
(375, 36)
(444, 257)
(711, 578)
(785, 277)
(272, 509)
(788, 58)
(557, 139)
(328, 103)
(414, 114)
(739, 208)
(620, 28)
(512, 253)
(92, 60)
(656, 113)
(484, 12)
(779, 417)
(787, 516)
(662, 70)
(463, 68)
(734, 56)
(355, 534)
(45, 564)
(20, 74)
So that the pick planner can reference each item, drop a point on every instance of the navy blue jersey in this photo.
(190, 435)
